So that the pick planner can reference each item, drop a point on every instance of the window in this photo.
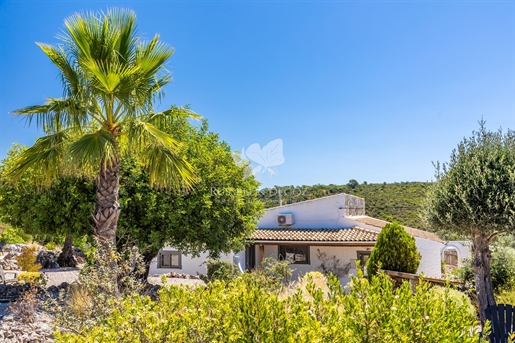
(170, 259)
(297, 254)
(363, 257)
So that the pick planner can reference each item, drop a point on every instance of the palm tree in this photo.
(111, 79)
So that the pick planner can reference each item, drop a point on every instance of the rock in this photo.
(79, 255)
(48, 259)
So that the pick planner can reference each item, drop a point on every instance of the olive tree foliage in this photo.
(217, 216)
(395, 249)
(474, 196)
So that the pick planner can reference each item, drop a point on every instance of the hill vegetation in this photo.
(401, 202)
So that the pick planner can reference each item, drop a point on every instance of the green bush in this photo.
(11, 235)
(27, 259)
(34, 278)
(50, 246)
(242, 311)
(221, 270)
(395, 250)
(502, 269)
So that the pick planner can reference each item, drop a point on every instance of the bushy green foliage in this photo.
(502, 269)
(34, 278)
(12, 235)
(243, 311)
(274, 268)
(27, 259)
(221, 270)
(50, 246)
(395, 250)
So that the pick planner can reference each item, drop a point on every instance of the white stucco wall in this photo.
(328, 212)
(430, 263)
(194, 265)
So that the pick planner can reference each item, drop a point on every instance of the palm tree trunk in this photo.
(482, 275)
(107, 211)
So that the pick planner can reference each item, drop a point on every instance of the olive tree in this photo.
(474, 196)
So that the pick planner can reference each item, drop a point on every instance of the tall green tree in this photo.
(474, 196)
(111, 79)
(218, 216)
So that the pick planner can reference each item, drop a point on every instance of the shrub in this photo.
(274, 268)
(502, 269)
(221, 270)
(33, 278)
(27, 259)
(395, 250)
(24, 309)
(96, 296)
(242, 311)
(50, 246)
(458, 297)
(11, 235)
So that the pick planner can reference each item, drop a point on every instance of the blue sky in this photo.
(367, 90)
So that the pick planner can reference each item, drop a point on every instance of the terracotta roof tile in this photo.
(381, 223)
(355, 234)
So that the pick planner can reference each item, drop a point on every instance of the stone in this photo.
(48, 259)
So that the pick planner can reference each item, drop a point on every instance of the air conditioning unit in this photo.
(284, 219)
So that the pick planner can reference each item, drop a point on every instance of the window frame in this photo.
(171, 253)
(282, 253)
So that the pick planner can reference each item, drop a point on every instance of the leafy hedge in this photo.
(244, 311)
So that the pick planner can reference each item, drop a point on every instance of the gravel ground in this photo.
(55, 277)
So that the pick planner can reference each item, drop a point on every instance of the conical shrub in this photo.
(395, 250)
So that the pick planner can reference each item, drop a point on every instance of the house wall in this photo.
(195, 265)
(328, 212)
(346, 254)
(430, 263)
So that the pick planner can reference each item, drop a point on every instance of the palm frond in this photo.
(56, 114)
(44, 157)
(144, 133)
(167, 169)
(94, 149)
(70, 75)
(181, 112)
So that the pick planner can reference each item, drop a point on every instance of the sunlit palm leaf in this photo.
(168, 170)
(55, 114)
(44, 157)
(94, 149)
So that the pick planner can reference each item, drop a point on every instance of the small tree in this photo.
(395, 250)
(474, 196)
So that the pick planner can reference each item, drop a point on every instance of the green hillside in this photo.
(399, 202)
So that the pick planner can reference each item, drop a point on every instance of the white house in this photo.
(334, 225)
